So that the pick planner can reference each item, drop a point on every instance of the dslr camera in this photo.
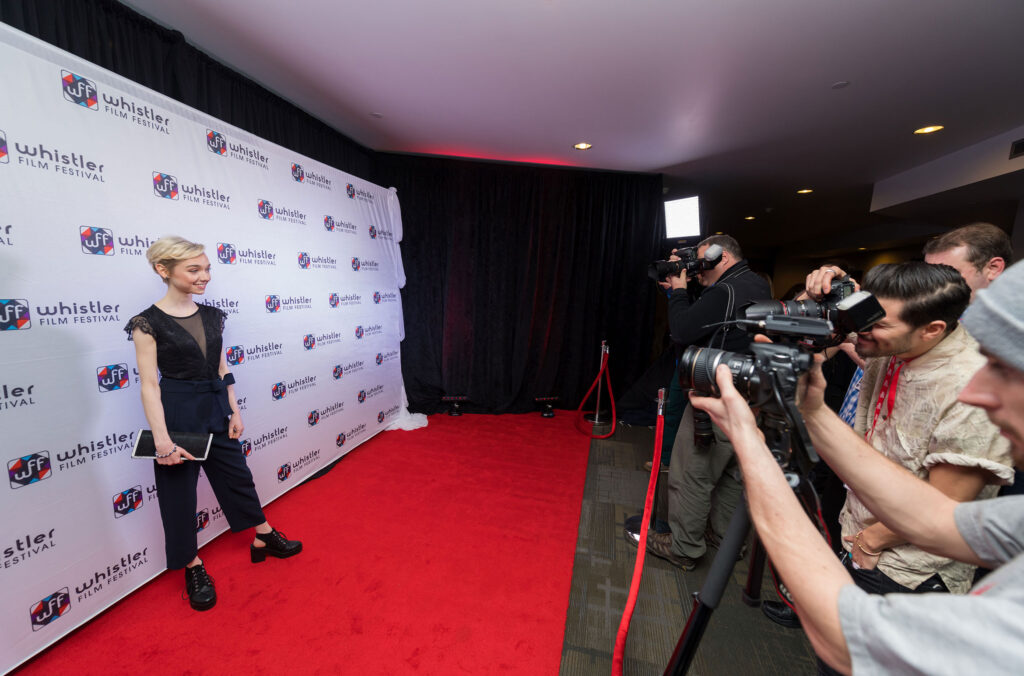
(689, 262)
(847, 309)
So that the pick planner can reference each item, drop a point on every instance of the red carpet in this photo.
(446, 550)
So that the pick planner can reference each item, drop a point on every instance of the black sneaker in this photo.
(199, 587)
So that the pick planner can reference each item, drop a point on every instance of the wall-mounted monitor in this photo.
(682, 218)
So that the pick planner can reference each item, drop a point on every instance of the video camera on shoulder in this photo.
(689, 262)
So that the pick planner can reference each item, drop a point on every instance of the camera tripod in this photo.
(777, 430)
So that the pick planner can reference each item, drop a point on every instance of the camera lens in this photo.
(697, 369)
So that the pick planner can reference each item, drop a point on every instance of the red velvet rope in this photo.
(580, 412)
(641, 551)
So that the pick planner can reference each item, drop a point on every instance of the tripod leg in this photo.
(710, 595)
(752, 590)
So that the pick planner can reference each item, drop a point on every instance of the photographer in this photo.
(931, 633)
(704, 480)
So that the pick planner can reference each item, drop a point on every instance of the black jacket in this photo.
(686, 320)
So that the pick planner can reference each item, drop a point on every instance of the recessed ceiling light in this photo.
(862, 248)
(583, 145)
(719, 232)
(804, 191)
(929, 130)
(748, 218)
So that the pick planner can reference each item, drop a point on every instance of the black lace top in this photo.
(178, 355)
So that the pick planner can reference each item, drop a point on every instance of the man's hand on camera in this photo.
(730, 412)
(819, 282)
(676, 281)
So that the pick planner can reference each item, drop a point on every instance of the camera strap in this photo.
(729, 309)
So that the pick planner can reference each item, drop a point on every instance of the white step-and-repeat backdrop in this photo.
(306, 263)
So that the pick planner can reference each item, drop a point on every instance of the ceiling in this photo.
(732, 98)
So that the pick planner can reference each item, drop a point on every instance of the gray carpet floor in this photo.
(739, 639)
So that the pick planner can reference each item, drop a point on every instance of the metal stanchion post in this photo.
(595, 417)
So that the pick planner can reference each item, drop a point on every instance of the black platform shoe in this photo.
(276, 545)
(199, 587)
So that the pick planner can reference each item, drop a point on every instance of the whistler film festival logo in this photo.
(388, 414)
(379, 359)
(385, 357)
(242, 354)
(304, 461)
(103, 242)
(79, 90)
(112, 377)
(89, 450)
(359, 333)
(313, 418)
(280, 214)
(374, 391)
(326, 338)
(283, 472)
(246, 445)
(59, 160)
(337, 372)
(332, 224)
(5, 235)
(169, 187)
(275, 303)
(229, 306)
(361, 397)
(97, 241)
(358, 193)
(351, 367)
(12, 396)
(278, 391)
(300, 384)
(14, 314)
(317, 262)
(50, 609)
(265, 440)
(347, 300)
(309, 341)
(27, 546)
(319, 180)
(115, 571)
(340, 441)
(386, 297)
(229, 254)
(127, 501)
(218, 144)
(63, 314)
(382, 234)
(327, 411)
(356, 431)
(364, 264)
(29, 469)
(165, 185)
(5, 155)
(202, 519)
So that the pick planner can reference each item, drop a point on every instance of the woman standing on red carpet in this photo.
(186, 387)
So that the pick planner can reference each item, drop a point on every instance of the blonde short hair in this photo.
(171, 250)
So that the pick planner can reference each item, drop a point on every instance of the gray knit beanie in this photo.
(996, 317)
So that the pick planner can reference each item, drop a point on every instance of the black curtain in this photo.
(515, 276)
(515, 273)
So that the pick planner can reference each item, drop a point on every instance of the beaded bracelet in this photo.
(168, 454)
